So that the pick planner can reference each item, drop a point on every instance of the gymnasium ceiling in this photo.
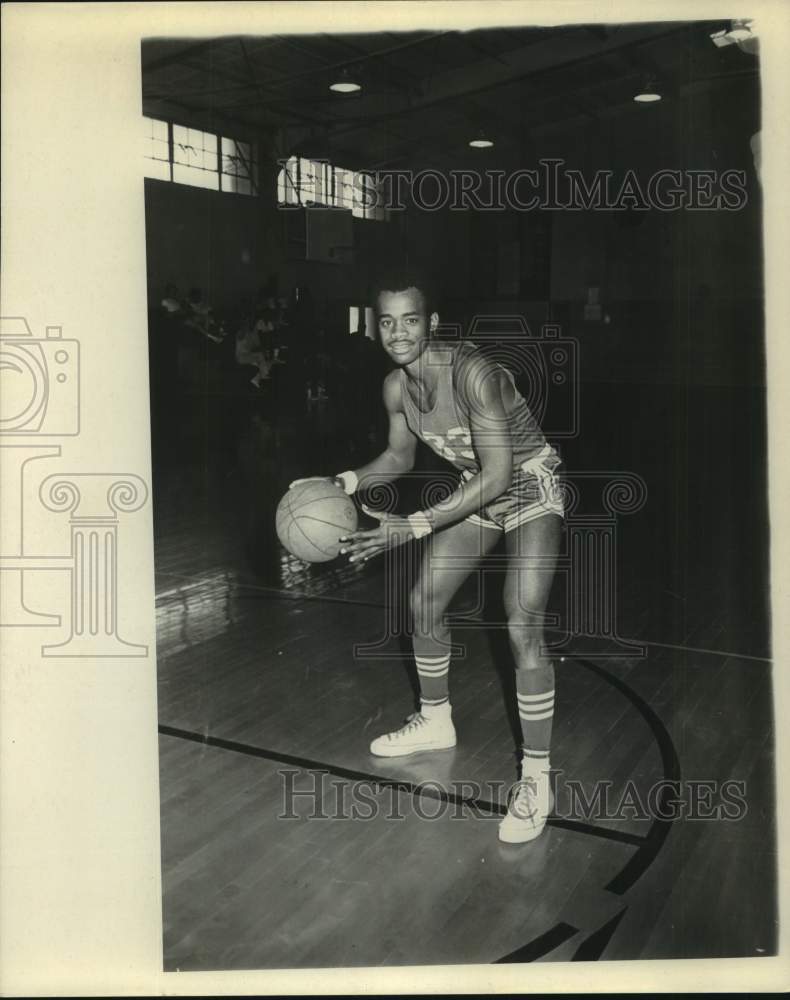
(424, 94)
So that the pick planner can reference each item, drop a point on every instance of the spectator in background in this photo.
(200, 316)
(250, 351)
(266, 327)
(165, 326)
(172, 303)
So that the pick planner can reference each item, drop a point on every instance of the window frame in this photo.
(334, 190)
(249, 162)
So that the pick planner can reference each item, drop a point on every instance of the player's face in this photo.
(404, 324)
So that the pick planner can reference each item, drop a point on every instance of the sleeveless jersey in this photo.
(445, 428)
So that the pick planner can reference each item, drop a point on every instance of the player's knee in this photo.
(418, 609)
(526, 634)
(426, 612)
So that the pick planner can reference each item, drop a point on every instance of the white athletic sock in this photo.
(534, 763)
(433, 711)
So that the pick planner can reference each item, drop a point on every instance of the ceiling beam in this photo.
(450, 87)
(291, 43)
(357, 60)
(177, 56)
(365, 54)
(248, 83)
(203, 117)
(259, 87)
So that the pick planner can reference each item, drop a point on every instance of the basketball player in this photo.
(467, 409)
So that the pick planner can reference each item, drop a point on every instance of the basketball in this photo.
(311, 517)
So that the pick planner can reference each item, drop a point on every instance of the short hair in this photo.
(398, 279)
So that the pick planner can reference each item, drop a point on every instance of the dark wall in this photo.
(195, 238)
(229, 245)
(680, 291)
(655, 254)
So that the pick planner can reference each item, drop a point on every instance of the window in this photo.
(362, 321)
(157, 149)
(202, 159)
(239, 169)
(195, 157)
(315, 182)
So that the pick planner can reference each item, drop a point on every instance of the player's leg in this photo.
(437, 583)
(449, 559)
(532, 550)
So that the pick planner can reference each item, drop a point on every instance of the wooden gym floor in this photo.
(259, 687)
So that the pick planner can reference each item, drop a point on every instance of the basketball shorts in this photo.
(534, 491)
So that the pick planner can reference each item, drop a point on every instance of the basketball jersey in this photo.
(445, 428)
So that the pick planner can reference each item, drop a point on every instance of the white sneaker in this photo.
(421, 732)
(528, 809)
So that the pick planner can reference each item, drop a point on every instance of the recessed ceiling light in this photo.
(649, 93)
(345, 84)
(481, 142)
(344, 88)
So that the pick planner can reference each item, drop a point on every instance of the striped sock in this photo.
(433, 672)
(533, 762)
(535, 693)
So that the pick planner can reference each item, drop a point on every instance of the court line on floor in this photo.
(275, 594)
(539, 946)
(412, 788)
(659, 830)
(593, 947)
(699, 649)
(648, 847)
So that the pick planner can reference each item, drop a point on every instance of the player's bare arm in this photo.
(491, 442)
(398, 457)
(481, 386)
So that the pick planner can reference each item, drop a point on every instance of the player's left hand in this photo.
(390, 532)
(315, 479)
